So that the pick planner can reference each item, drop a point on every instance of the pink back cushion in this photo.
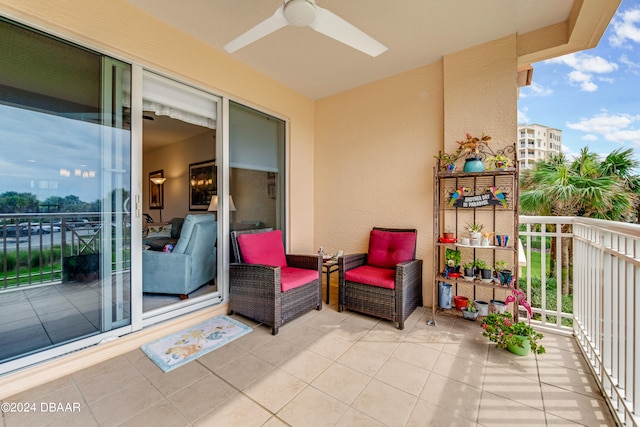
(388, 248)
(263, 248)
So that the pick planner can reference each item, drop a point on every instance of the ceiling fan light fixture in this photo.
(300, 13)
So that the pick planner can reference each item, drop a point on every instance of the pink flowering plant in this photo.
(501, 329)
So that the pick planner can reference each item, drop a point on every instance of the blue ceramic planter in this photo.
(473, 164)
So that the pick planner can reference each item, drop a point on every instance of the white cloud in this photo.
(603, 123)
(522, 115)
(536, 89)
(625, 27)
(584, 80)
(584, 67)
(625, 136)
(617, 128)
(632, 67)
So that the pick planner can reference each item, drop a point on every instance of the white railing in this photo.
(604, 257)
(33, 247)
(549, 238)
(606, 317)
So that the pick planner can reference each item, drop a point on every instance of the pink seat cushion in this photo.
(388, 248)
(263, 248)
(292, 277)
(374, 276)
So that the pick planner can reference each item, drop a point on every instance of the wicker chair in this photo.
(257, 281)
(386, 282)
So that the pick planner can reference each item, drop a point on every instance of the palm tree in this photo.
(586, 186)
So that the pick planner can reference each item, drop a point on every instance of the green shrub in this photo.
(536, 298)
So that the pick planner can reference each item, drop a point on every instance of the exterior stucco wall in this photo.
(116, 28)
(374, 145)
(481, 95)
(374, 159)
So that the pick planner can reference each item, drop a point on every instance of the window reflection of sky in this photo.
(49, 155)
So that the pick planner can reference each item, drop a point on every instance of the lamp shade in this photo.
(158, 180)
(213, 205)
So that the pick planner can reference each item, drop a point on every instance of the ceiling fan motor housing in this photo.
(300, 13)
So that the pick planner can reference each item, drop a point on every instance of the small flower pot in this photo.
(485, 273)
(469, 315)
(498, 307)
(520, 351)
(460, 301)
(452, 271)
(449, 235)
(468, 272)
(474, 238)
(505, 277)
(473, 164)
(482, 307)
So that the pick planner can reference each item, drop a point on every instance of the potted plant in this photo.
(470, 312)
(499, 162)
(519, 338)
(452, 260)
(486, 239)
(475, 232)
(485, 270)
(469, 268)
(504, 274)
(472, 147)
(448, 233)
(448, 161)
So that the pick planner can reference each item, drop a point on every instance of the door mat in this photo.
(182, 347)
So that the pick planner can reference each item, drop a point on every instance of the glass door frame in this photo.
(140, 319)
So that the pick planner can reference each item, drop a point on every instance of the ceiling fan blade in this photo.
(331, 25)
(266, 27)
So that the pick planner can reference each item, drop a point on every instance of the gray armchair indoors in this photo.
(191, 264)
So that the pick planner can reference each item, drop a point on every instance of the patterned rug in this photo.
(177, 349)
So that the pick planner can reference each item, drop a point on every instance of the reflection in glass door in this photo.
(64, 196)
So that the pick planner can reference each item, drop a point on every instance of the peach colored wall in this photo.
(174, 160)
(117, 28)
(481, 95)
(374, 160)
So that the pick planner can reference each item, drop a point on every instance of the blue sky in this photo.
(593, 96)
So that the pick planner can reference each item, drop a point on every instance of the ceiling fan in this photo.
(305, 13)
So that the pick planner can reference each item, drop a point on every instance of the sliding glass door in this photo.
(179, 146)
(256, 175)
(65, 185)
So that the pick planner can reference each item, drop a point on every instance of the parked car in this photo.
(79, 223)
(51, 228)
(31, 228)
(10, 230)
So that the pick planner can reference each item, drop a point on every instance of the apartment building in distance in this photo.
(537, 142)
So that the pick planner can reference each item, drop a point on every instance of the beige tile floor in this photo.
(334, 369)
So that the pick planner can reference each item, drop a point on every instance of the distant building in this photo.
(537, 142)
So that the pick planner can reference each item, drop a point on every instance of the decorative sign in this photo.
(493, 197)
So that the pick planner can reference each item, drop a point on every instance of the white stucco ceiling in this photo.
(417, 32)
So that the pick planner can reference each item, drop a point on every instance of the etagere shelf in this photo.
(461, 198)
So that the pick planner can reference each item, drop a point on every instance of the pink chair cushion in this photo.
(374, 276)
(388, 248)
(263, 248)
(292, 277)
